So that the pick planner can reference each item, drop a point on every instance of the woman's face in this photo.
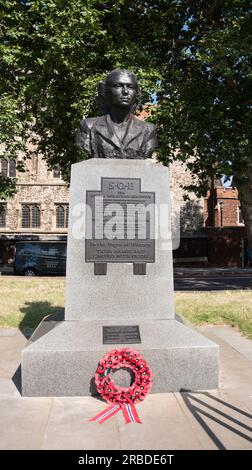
(122, 90)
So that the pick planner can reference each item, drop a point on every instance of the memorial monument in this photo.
(119, 286)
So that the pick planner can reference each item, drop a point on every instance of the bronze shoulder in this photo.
(145, 125)
(87, 123)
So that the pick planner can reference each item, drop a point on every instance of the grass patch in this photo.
(24, 302)
(232, 308)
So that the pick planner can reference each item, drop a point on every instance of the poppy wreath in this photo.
(122, 398)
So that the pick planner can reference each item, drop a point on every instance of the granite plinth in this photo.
(62, 356)
(119, 293)
(63, 361)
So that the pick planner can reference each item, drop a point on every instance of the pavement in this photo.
(212, 279)
(216, 419)
(212, 272)
(199, 279)
(182, 271)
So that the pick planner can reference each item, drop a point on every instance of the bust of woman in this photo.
(117, 133)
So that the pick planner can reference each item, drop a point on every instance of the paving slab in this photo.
(220, 421)
(69, 426)
(9, 362)
(216, 419)
(12, 341)
(235, 339)
(11, 338)
(236, 368)
(23, 422)
(8, 388)
(163, 426)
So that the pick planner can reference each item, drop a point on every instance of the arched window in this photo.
(60, 217)
(30, 216)
(4, 167)
(12, 168)
(34, 163)
(35, 216)
(2, 216)
(26, 219)
(56, 171)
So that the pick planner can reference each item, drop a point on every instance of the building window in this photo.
(35, 216)
(240, 216)
(4, 167)
(56, 171)
(30, 216)
(67, 212)
(34, 160)
(8, 167)
(12, 168)
(25, 216)
(2, 216)
(62, 216)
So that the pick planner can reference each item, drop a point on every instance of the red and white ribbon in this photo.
(129, 412)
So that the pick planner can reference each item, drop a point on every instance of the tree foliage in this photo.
(203, 53)
(205, 100)
(53, 54)
(195, 54)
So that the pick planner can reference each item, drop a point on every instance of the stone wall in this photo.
(190, 212)
(37, 185)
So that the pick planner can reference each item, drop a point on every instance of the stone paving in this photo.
(216, 419)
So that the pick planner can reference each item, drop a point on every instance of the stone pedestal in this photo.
(61, 357)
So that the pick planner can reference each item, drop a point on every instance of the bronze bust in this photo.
(117, 133)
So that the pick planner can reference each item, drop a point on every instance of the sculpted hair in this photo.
(103, 98)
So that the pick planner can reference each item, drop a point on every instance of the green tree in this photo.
(53, 54)
(195, 53)
(203, 52)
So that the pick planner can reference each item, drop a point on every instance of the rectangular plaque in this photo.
(120, 334)
(120, 208)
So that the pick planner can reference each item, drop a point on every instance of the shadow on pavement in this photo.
(211, 412)
(35, 312)
(16, 379)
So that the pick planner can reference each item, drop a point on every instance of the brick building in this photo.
(39, 209)
(221, 242)
(222, 207)
(224, 227)
(212, 229)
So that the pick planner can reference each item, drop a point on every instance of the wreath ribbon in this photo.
(121, 398)
(129, 412)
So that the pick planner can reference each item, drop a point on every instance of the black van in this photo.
(40, 258)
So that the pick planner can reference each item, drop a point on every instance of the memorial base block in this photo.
(61, 357)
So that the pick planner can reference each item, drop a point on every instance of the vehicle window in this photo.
(52, 251)
(61, 249)
(42, 249)
(28, 248)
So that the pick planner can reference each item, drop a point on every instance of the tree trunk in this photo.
(245, 197)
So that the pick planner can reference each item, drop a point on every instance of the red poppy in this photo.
(117, 359)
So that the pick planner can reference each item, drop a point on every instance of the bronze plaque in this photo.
(121, 334)
(122, 225)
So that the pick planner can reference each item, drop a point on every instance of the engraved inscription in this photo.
(121, 334)
(122, 223)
